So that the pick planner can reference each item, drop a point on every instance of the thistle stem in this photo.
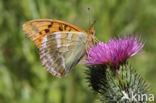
(117, 74)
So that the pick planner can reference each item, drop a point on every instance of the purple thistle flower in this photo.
(115, 52)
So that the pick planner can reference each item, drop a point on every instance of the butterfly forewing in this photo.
(60, 51)
(37, 29)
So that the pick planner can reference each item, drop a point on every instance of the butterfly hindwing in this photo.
(60, 51)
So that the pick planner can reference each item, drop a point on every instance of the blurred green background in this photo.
(22, 77)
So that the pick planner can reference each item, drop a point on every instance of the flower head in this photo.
(114, 52)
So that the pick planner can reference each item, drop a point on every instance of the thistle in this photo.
(115, 52)
(110, 75)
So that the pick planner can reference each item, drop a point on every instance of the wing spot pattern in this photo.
(60, 28)
(65, 27)
(40, 33)
(46, 30)
(51, 25)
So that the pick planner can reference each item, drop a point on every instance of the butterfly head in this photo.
(91, 29)
(91, 37)
(91, 32)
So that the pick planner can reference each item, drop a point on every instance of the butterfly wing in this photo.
(61, 51)
(37, 29)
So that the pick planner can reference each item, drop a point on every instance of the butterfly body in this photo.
(61, 44)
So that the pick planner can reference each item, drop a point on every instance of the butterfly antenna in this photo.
(89, 15)
(93, 22)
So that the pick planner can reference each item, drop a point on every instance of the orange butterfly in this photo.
(61, 45)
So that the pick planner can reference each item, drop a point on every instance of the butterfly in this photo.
(61, 45)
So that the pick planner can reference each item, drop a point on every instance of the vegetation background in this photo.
(22, 77)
